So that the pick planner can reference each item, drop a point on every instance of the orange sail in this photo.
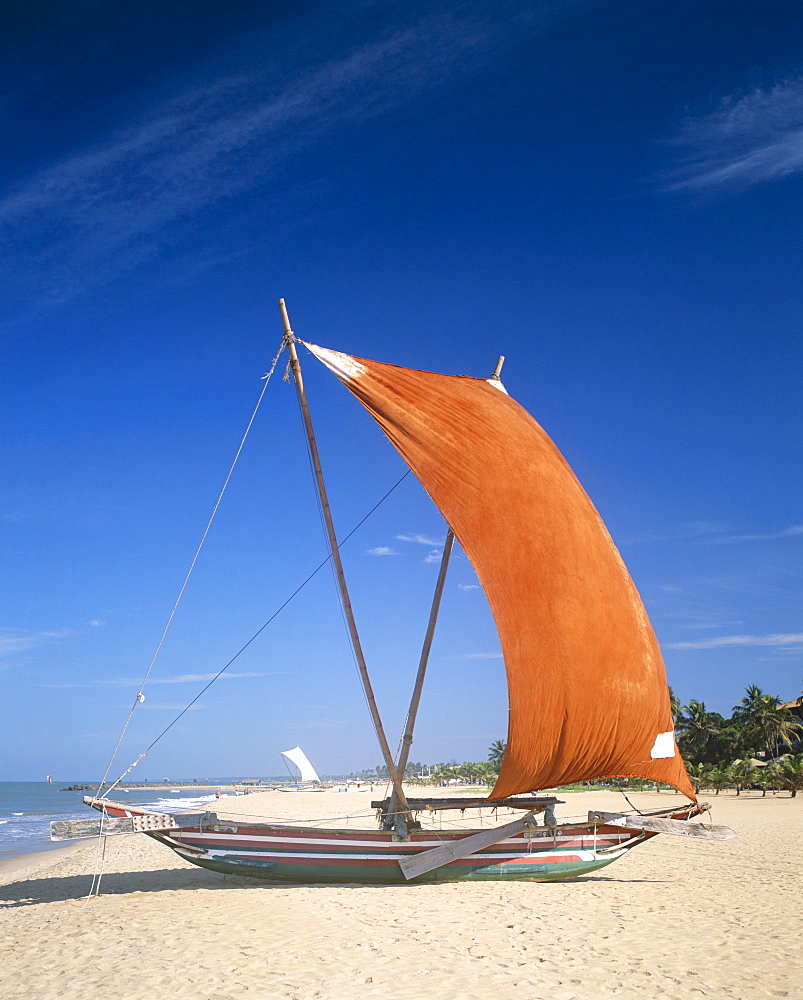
(586, 682)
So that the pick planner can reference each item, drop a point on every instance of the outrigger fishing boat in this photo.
(588, 696)
(307, 780)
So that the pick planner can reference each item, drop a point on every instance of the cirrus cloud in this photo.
(780, 639)
(749, 138)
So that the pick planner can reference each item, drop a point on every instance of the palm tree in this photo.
(763, 717)
(779, 725)
(717, 779)
(486, 772)
(740, 774)
(496, 754)
(470, 771)
(791, 773)
(767, 777)
(748, 706)
(442, 773)
(674, 705)
(698, 775)
(696, 727)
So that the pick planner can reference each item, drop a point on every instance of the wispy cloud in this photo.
(700, 530)
(749, 138)
(796, 531)
(324, 724)
(174, 708)
(64, 685)
(147, 189)
(715, 621)
(707, 533)
(468, 586)
(434, 544)
(382, 550)
(421, 540)
(186, 678)
(476, 656)
(13, 641)
(781, 639)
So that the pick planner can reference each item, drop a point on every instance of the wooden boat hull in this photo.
(320, 855)
(339, 869)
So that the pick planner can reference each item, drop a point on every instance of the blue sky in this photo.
(607, 193)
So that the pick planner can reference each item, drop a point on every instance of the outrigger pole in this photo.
(295, 365)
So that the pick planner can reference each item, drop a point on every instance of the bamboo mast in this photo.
(407, 736)
(295, 366)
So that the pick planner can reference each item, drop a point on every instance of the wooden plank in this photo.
(462, 802)
(74, 829)
(426, 861)
(193, 820)
(655, 824)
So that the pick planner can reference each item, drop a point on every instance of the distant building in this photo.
(795, 707)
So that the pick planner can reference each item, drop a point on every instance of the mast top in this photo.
(288, 332)
(497, 372)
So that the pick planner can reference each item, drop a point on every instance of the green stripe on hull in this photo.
(392, 875)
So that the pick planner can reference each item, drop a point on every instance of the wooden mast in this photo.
(407, 737)
(295, 366)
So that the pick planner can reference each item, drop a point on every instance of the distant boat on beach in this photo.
(588, 696)
(307, 780)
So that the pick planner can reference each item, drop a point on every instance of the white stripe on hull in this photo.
(514, 843)
(490, 859)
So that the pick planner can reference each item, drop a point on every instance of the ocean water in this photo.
(27, 808)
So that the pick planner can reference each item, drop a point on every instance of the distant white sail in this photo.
(300, 759)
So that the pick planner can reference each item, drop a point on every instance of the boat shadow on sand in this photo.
(54, 889)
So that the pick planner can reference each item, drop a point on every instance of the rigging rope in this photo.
(262, 628)
(140, 697)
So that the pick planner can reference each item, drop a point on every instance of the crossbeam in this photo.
(538, 802)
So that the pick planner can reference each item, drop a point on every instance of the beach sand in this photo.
(675, 919)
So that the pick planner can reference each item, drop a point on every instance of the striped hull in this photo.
(315, 855)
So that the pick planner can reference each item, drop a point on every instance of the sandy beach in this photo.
(674, 919)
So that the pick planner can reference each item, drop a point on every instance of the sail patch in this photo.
(664, 745)
(344, 366)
